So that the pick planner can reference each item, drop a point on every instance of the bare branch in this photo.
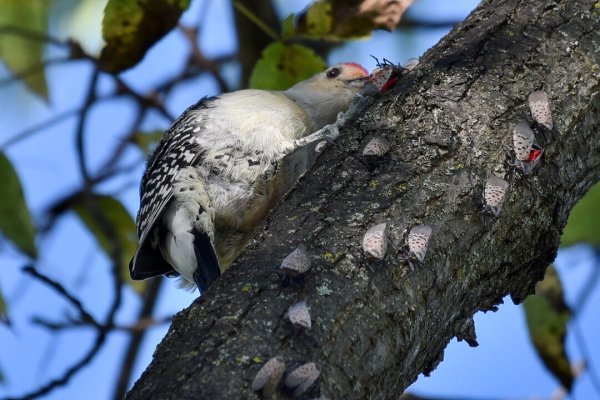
(80, 132)
(38, 128)
(85, 316)
(32, 70)
(198, 59)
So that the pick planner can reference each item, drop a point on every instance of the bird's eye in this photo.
(333, 72)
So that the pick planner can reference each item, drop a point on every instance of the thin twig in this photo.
(60, 289)
(581, 343)
(66, 203)
(256, 20)
(137, 327)
(107, 229)
(31, 70)
(80, 131)
(69, 373)
(190, 73)
(197, 57)
(148, 100)
(38, 128)
(590, 285)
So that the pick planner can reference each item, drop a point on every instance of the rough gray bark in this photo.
(377, 325)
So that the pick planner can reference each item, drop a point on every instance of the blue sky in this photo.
(503, 366)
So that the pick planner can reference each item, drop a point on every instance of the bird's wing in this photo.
(176, 150)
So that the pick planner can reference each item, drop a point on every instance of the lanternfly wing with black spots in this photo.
(176, 150)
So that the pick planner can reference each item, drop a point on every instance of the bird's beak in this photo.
(359, 82)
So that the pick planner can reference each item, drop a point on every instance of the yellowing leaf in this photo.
(20, 48)
(122, 231)
(15, 220)
(281, 66)
(547, 319)
(584, 221)
(319, 19)
(131, 27)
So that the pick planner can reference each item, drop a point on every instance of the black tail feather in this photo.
(208, 269)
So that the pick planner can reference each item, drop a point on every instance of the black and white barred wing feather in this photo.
(175, 221)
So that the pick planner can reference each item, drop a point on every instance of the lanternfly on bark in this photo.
(494, 193)
(296, 263)
(268, 377)
(376, 147)
(375, 241)
(539, 105)
(299, 315)
(527, 152)
(416, 245)
(302, 378)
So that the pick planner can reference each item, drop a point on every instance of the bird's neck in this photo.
(321, 107)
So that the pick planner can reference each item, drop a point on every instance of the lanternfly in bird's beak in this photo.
(386, 76)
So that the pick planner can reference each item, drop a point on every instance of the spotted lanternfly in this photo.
(299, 315)
(523, 138)
(268, 377)
(296, 263)
(382, 78)
(386, 75)
(493, 195)
(540, 109)
(375, 241)
(376, 147)
(418, 240)
(302, 378)
(527, 152)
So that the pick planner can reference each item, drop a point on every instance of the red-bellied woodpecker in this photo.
(223, 164)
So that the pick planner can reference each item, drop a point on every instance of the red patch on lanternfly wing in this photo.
(534, 154)
(359, 67)
(390, 83)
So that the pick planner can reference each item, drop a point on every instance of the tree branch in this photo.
(136, 339)
(377, 325)
(84, 315)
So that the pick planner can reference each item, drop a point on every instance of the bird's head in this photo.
(329, 92)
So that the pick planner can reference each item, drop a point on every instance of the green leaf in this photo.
(15, 221)
(281, 66)
(547, 319)
(123, 234)
(287, 26)
(21, 23)
(146, 140)
(131, 27)
(584, 221)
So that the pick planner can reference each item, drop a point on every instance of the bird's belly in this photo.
(241, 206)
(242, 200)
